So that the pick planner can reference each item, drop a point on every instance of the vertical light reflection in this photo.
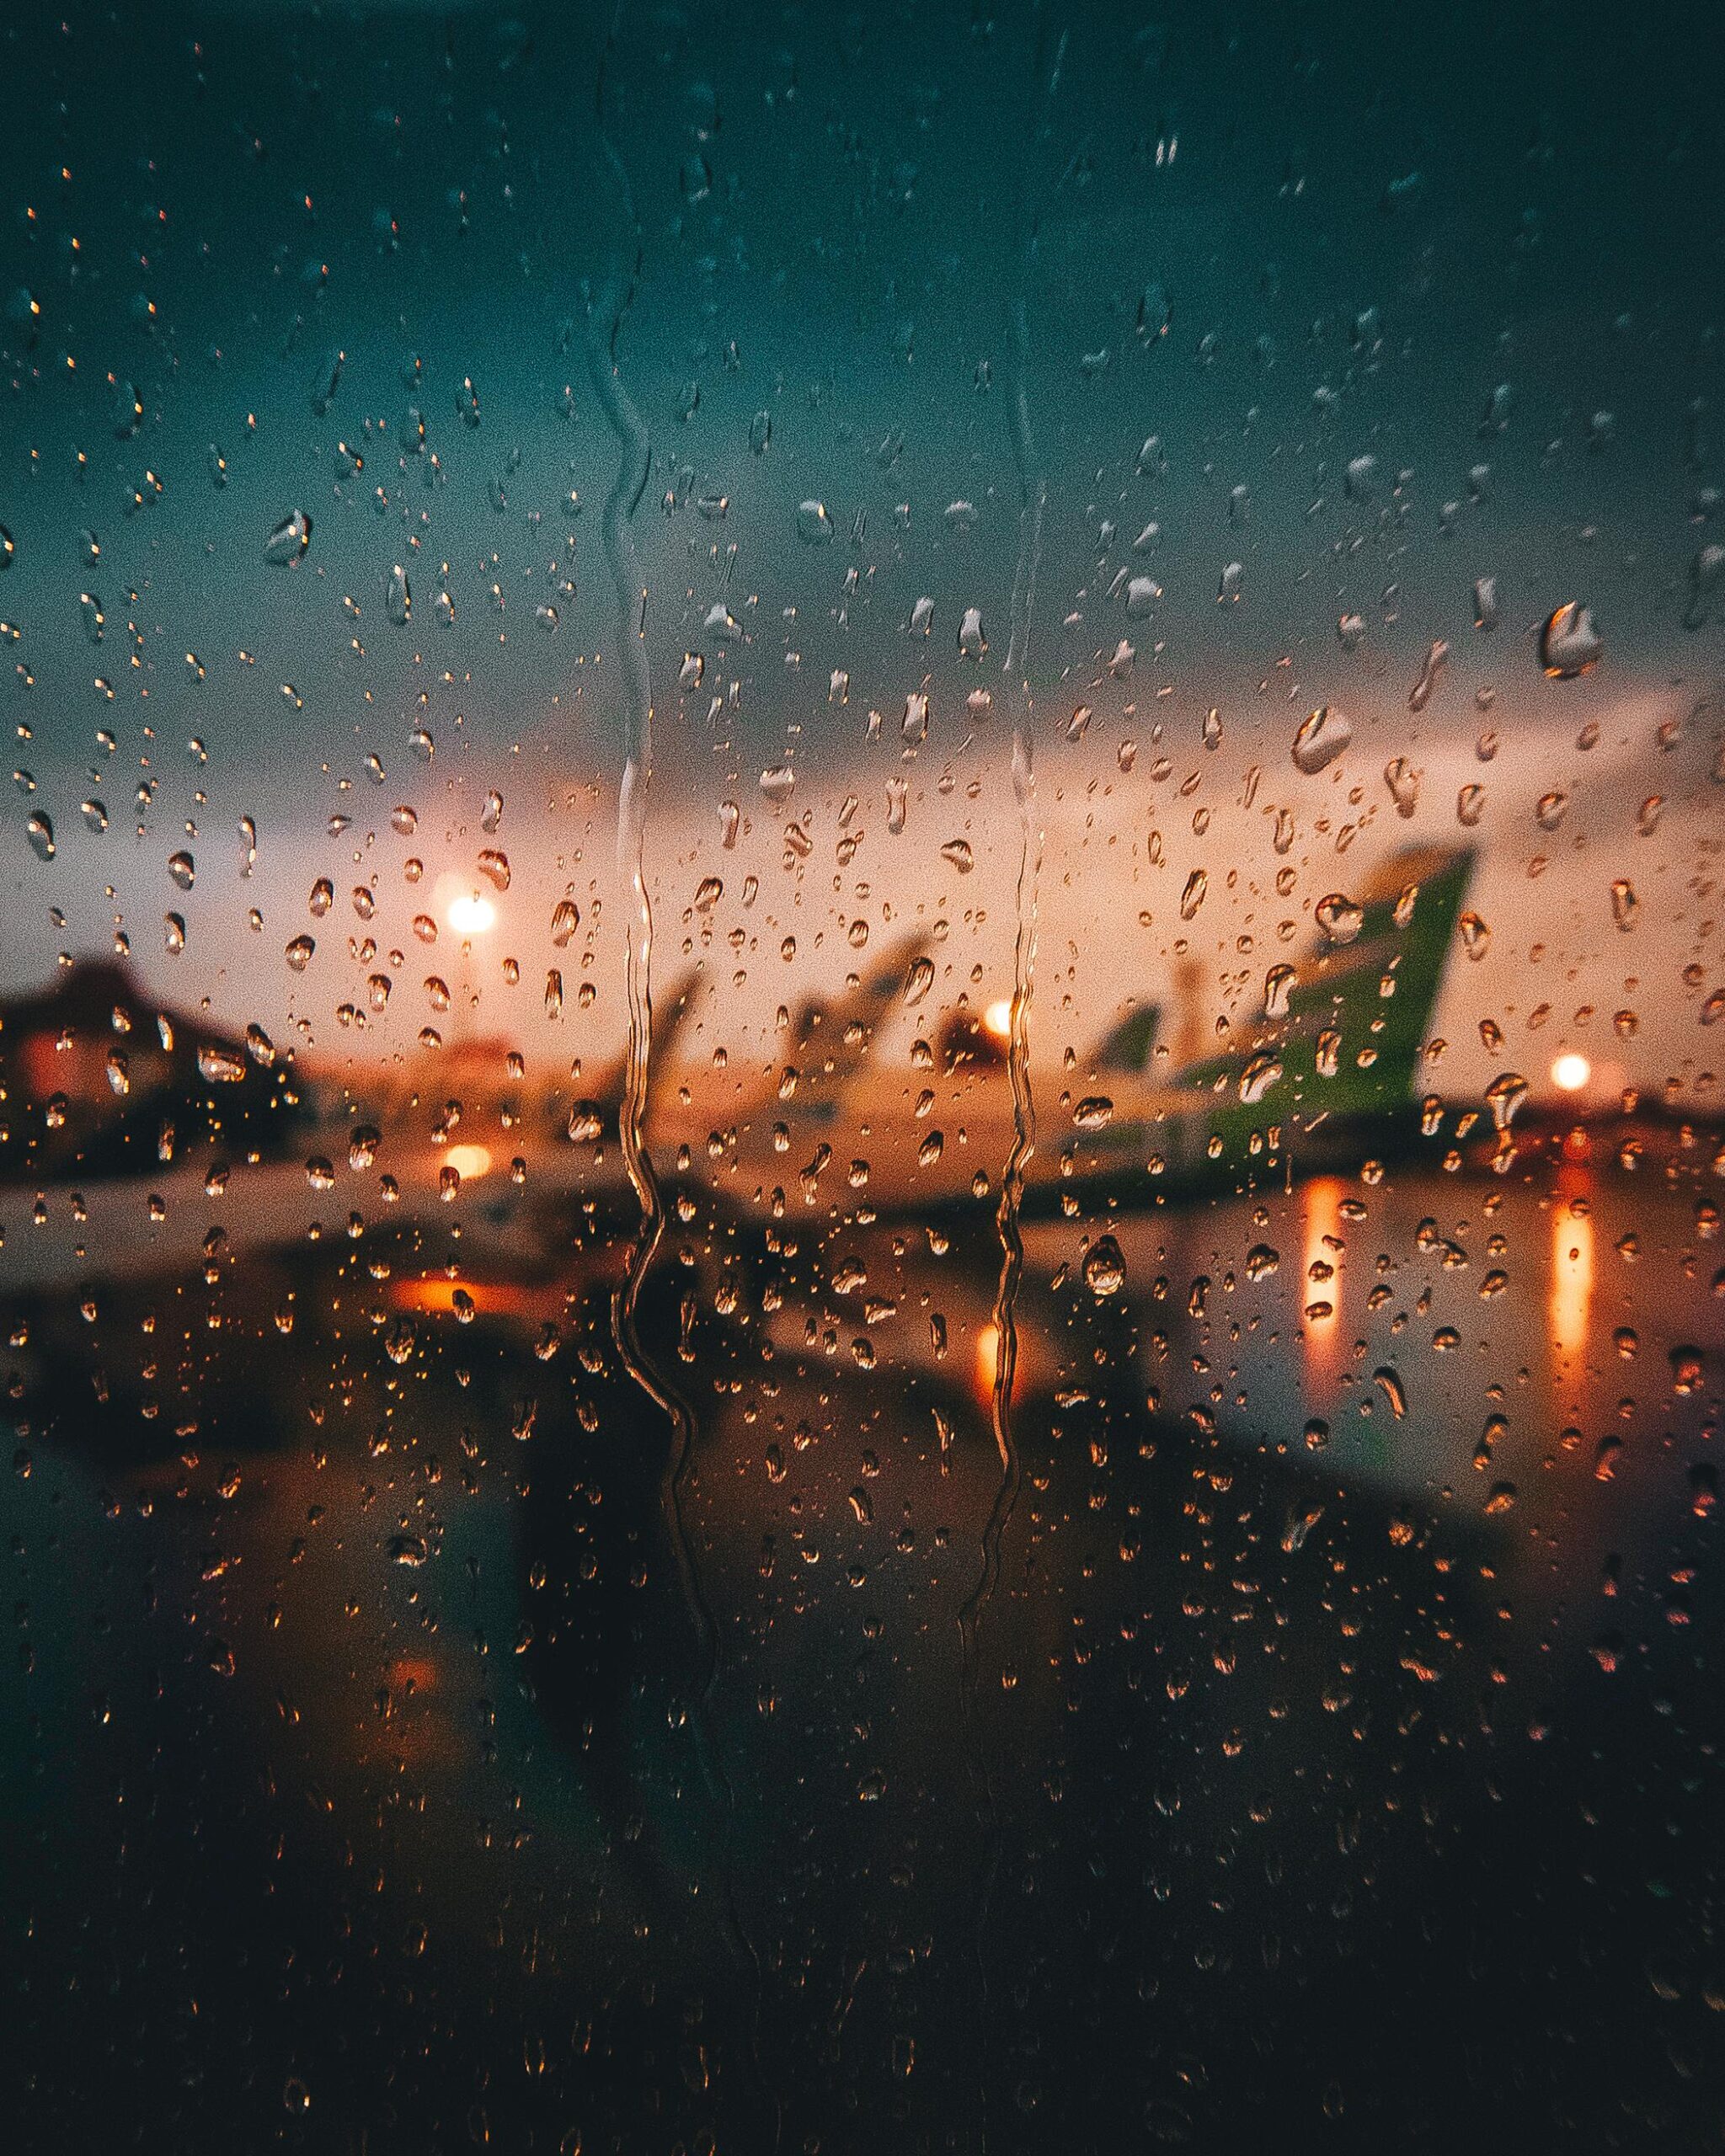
(987, 1364)
(1572, 1279)
(1321, 1276)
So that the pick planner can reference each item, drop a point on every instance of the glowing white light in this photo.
(469, 1163)
(1571, 1072)
(997, 1019)
(471, 915)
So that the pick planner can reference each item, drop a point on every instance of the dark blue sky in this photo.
(1279, 240)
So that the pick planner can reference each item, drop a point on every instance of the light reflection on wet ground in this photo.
(1337, 1761)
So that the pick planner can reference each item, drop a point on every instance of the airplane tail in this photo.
(832, 1038)
(670, 1014)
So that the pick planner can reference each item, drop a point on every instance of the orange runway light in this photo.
(469, 1163)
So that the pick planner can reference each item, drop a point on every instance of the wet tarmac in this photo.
(1308, 1734)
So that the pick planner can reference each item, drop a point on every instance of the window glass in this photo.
(860, 1168)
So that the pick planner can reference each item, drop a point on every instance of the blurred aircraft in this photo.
(1325, 1068)
(101, 1082)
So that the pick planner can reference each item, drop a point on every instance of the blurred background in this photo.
(861, 1145)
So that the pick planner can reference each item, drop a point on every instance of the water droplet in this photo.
(1361, 479)
(181, 869)
(1104, 1269)
(1299, 1525)
(298, 953)
(40, 831)
(1504, 1096)
(1569, 644)
(1707, 573)
(1436, 658)
(957, 852)
(586, 1124)
(1403, 782)
(362, 1146)
(814, 525)
(1321, 737)
(287, 544)
(398, 599)
(1339, 918)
